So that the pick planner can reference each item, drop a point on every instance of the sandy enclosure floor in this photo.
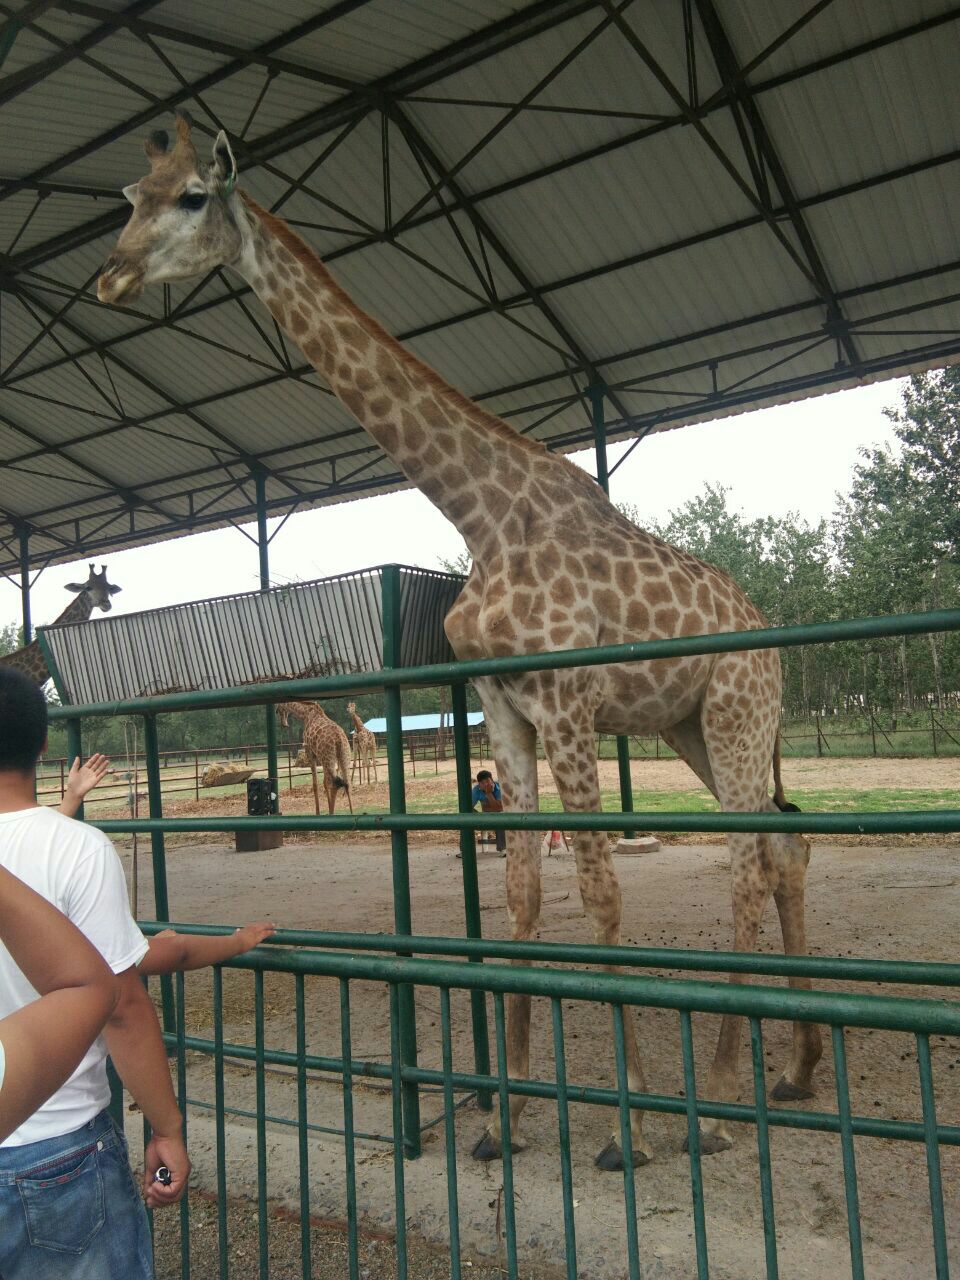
(871, 901)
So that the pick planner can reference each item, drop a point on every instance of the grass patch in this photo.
(875, 800)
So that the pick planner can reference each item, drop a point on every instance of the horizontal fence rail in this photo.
(937, 821)
(456, 672)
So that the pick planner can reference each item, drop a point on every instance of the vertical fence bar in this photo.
(597, 394)
(74, 752)
(349, 1145)
(182, 1103)
(693, 1144)
(262, 1239)
(849, 1158)
(263, 548)
(626, 1144)
(563, 1122)
(933, 1158)
(25, 584)
(220, 1117)
(399, 1196)
(302, 1146)
(450, 1134)
(390, 588)
(471, 887)
(159, 850)
(509, 1206)
(763, 1150)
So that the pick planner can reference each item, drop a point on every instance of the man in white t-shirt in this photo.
(69, 1206)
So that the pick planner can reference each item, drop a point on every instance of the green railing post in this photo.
(597, 394)
(390, 596)
(263, 547)
(471, 887)
(75, 751)
(25, 583)
(159, 850)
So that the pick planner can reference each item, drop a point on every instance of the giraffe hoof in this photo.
(488, 1148)
(711, 1144)
(785, 1091)
(610, 1159)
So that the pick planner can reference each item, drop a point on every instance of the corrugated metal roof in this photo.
(707, 216)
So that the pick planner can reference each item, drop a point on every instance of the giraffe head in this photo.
(352, 708)
(182, 223)
(283, 714)
(97, 588)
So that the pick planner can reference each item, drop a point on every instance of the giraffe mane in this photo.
(314, 264)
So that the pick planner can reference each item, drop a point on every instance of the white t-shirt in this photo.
(77, 869)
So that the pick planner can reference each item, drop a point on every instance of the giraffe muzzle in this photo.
(120, 280)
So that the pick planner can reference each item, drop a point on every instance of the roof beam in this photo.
(106, 223)
(741, 101)
(645, 255)
(19, 81)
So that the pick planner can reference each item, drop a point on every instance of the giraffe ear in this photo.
(113, 590)
(76, 586)
(130, 193)
(224, 162)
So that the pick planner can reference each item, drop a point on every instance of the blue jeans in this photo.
(70, 1209)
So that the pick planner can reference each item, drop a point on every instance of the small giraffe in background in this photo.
(364, 746)
(324, 743)
(93, 594)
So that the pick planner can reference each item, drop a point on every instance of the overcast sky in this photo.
(788, 458)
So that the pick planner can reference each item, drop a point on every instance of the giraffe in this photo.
(364, 746)
(555, 566)
(93, 594)
(324, 743)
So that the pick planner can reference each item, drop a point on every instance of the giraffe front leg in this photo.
(513, 742)
(573, 761)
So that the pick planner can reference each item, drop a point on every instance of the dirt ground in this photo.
(867, 899)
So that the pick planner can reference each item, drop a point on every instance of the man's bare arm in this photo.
(134, 1042)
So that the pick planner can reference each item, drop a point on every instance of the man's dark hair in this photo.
(483, 775)
(23, 722)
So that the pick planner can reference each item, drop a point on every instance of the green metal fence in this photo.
(479, 978)
(434, 970)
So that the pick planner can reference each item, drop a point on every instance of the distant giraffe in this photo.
(364, 746)
(93, 594)
(324, 743)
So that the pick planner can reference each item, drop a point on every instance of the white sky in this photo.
(787, 458)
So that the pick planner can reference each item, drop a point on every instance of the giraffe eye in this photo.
(193, 200)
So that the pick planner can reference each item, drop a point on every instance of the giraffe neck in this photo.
(305, 711)
(78, 610)
(470, 464)
(358, 723)
(30, 659)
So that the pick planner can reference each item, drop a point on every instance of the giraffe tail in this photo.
(779, 798)
(343, 765)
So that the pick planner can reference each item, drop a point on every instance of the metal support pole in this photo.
(471, 888)
(263, 546)
(390, 595)
(25, 585)
(597, 394)
(158, 847)
(74, 752)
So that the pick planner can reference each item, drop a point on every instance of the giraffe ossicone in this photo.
(555, 566)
